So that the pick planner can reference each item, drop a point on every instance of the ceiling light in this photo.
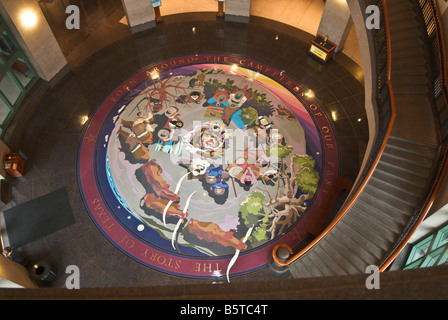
(309, 94)
(334, 115)
(29, 19)
(154, 75)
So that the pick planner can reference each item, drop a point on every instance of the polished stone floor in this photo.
(51, 140)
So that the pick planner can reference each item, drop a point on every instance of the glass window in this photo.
(419, 249)
(4, 111)
(17, 75)
(7, 47)
(444, 258)
(412, 265)
(22, 72)
(441, 238)
(431, 258)
(9, 88)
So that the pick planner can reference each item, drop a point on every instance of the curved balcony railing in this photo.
(434, 32)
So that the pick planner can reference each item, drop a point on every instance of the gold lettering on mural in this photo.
(161, 260)
(313, 107)
(207, 267)
(129, 243)
(329, 173)
(99, 211)
(327, 137)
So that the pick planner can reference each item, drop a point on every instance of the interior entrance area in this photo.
(105, 21)
(101, 24)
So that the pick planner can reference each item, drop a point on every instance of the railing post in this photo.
(280, 254)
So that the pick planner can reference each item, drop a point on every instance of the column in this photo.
(367, 48)
(237, 10)
(29, 26)
(140, 14)
(336, 22)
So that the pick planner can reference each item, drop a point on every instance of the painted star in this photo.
(90, 138)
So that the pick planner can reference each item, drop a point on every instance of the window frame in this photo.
(436, 252)
(6, 69)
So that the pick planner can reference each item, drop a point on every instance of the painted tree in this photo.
(278, 151)
(253, 214)
(260, 103)
(300, 176)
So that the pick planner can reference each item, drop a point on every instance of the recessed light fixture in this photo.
(334, 115)
(154, 75)
(84, 119)
(309, 94)
(28, 18)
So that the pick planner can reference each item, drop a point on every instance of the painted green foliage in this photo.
(248, 115)
(307, 178)
(252, 211)
(251, 208)
(279, 150)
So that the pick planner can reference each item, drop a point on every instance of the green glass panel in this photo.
(441, 238)
(414, 265)
(9, 88)
(4, 111)
(17, 76)
(431, 259)
(444, 258)
(419, 249)
(23, 72)
(7, 47)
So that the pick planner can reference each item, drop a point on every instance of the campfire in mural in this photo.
(180, 141)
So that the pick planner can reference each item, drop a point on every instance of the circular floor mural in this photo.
(198, 166)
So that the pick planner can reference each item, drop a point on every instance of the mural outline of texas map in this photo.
(202, 164)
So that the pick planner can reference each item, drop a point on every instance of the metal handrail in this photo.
(435, 33)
